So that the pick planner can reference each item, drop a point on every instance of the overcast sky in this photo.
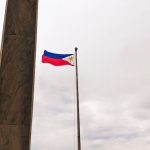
(113, 37)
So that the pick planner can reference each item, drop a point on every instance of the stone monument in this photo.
(17, 59)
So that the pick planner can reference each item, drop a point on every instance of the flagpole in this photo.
(77, 97)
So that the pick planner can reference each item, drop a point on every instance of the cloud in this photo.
(113, 41)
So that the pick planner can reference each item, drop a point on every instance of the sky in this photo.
(112, 37)
(2, 10)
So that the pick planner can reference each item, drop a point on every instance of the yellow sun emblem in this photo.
(71, 58)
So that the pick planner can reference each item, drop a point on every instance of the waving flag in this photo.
(58, 59)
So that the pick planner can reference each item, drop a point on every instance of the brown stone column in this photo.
(17, 74)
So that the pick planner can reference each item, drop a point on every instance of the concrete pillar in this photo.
(17, 74)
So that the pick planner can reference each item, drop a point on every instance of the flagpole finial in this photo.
(76, 48)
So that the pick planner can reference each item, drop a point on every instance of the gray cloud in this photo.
(113, 40)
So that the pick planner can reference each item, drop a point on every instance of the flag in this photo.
(58, 59)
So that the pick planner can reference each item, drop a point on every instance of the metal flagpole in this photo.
(77, 97)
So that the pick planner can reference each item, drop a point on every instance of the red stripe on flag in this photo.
(55, 62)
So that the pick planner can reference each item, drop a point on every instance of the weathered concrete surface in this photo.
(17, 74)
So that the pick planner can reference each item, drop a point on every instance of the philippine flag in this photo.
(58, 59)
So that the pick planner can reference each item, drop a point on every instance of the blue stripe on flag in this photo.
(56, 56)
